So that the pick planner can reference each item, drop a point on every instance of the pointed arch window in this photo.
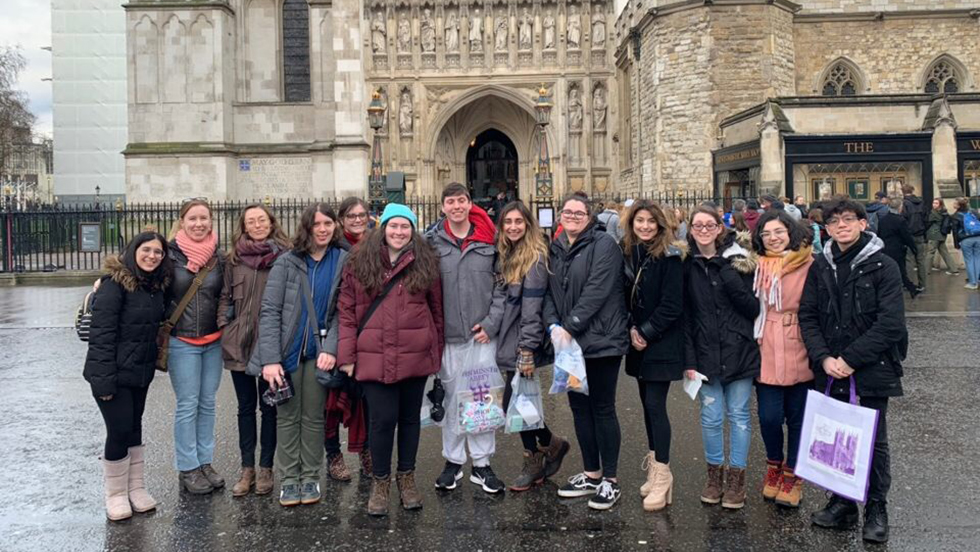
(943, 78)
(296, 50)
(840, 81)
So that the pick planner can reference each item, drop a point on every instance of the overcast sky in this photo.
(28, 23)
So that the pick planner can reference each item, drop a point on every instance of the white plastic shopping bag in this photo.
(474, 386)
(837, 443)
(526, 409)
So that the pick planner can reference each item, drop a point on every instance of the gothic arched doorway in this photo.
(491, 167)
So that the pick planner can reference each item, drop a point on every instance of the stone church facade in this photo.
(235, 99)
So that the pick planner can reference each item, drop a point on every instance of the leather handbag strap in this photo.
(377, 300)
(195, 285)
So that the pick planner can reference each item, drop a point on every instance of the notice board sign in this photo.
(89, 237)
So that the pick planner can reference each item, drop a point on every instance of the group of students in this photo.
(389, 307)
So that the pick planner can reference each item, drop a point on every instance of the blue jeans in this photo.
(778, 405)
(195, 373)
(717, 402)
(971, 258)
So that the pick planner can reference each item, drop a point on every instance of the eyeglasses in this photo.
(574, 215)
(151, 252)
(356, 216)
(704, 227)
(838, 220)
(776, 234)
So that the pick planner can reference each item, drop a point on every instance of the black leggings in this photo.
(533, 438)
(653, 395)
(390, 405)
(596, 424)
(249, 391)
(123, 415)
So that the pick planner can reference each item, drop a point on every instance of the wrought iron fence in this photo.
(49, 238)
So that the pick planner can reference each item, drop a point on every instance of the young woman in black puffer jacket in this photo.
(126, 314)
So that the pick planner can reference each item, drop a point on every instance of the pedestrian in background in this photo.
(852, 318)
(654, 271)
(785, 377)
(609, 217)
(680, 220)
(297, 336)
(815, 218)
(586, 302)
(916, 216)
(522, 254)
(719, 312)
(967, 241)
(119, 366)
(258, 242)
(752, 213)
(800, 203)
(194, 360)
(938, 228)
(893, 229)
(391, 339)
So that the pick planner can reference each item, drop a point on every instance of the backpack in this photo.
(916, 218)
(971, 225)
(946, 225)
(83, 317)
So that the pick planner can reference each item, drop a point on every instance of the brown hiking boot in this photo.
(711, 494)
(554, 454)
(408, 491)
(245, 482)
(194, 482)
(337, 468)
(378, 502)
(366, 464)
(264, 481)
(791, 490)
(735, 489)
(214, 478)
(533, 472)
(773, 480)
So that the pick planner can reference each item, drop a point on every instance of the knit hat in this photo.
(393, 210)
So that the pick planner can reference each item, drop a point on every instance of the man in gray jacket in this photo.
(467, 259)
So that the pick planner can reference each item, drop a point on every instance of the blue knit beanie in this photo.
(393, 210)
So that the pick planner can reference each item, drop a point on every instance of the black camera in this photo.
(436, 396)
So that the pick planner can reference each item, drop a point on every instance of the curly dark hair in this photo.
(839, 205)
(162, 274)
(303, 241)
(799, 235)
(369, 263)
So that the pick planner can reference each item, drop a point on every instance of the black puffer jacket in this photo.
(655, 299)
(719, 313)
(585, 292)
(861, 321)
(122, 347)
(201, 316)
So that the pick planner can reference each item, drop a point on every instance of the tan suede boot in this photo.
(650, 465)
(378, 502)
(662, 492)
(139, 498)
(791, 490)
(264, 481)
(409, 492)
(245, 482)
(117, 506)
(773, 480)
(735, 489)
(711, 494)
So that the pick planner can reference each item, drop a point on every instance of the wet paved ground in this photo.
(51, 435)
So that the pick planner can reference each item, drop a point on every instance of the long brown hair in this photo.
(303, 241)
(184, 208)
(369, 263)
(657, 247)
(276, 233)
(517, 259)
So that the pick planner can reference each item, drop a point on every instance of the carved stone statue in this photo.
(476, 32)
(405, 114)
(501, 28)
(574, 109)
(452, 33)
(549, 31)
(404, 33)
(599, 108)
(574, 29)
(379, 34)
(598, 28)
(428, 32)
(525, 31)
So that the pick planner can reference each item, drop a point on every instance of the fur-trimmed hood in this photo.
(738, 249)
(115, 269)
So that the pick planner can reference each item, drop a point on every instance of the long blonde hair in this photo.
(517, 259)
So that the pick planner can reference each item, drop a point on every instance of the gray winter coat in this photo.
(468, 282)
(610, 218)
(282, 306)
(522, 326)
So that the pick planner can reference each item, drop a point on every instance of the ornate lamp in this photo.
(376, 180)
(544, 188)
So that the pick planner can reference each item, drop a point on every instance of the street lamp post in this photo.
(376, 179)
(544, 186)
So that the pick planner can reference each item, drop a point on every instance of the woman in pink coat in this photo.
(785, 256)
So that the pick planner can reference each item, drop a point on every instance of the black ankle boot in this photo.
(839, 513)
(875, 522)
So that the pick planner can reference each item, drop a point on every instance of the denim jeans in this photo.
(780, 404)
(718, 402)
(195, 374)
(971, 257)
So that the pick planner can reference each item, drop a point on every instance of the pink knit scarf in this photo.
(198, 253)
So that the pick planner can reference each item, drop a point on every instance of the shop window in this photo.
(971, 177)
(296, 50)
(840, 81)
(943, 78)
(859, 181)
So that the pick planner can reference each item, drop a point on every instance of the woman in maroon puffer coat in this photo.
(399, 346)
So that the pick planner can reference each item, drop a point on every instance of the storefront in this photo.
(821, 166)
(968, 161)
(737, 170)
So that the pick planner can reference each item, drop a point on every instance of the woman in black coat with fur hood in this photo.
(126, 314)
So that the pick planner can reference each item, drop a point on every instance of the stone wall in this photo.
(856, 6)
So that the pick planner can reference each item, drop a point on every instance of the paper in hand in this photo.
(692, 386)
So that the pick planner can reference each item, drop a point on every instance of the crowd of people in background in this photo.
(345, 324)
